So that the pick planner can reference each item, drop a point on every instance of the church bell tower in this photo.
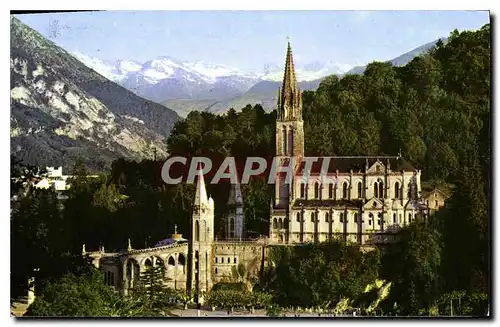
(289, 126)
(201, 243)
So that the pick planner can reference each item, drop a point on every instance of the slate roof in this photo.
(317, 203)
(357, 164)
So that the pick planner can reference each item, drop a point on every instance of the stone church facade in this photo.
(358, 199)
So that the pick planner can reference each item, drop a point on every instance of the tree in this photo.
(413, 267)
(75, 296)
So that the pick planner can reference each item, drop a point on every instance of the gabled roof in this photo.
(427, 192)
(373, 203)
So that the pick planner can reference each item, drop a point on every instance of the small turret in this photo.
(84, 252)
(129, 247)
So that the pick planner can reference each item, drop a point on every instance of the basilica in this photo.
(364, 200)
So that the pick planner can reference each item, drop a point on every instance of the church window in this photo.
(409, 217)
(316, 190)
(327, 217)
(302, 190)
(275, 223)
(344, 190)
(330, 190)
(197, 231)
(216, 270)
(290, 142)
(378, 221)
(394, 218)
(234, 261)
(341, 217)
(216, 260)
(359, 190)
(437, 204)
(396, 190)
(228, 260)
(284, 141)
(298, 217)
(375, 189)
(171, 261)
(356, 217)
(312, 217)
(280, 223)
(381, 190)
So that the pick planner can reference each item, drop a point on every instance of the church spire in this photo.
(289, 102)
(201, 192)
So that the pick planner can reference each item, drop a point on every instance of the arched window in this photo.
(302, 190)
(379, 217)
(375, 189)
(344, 190)
(341, 215)
(312, 217)
(222, 260)
(216, 270)
(330, 190)
(181, 259)
(380, 190)
(396, 190)
(196, 231)
(148, 263)
(231, 227)
(356, 217)
(298, 217)
(290, 142)
(280, 223)
(409, 217)
(394, 218)
(370, 219)
(171, 261)
(359, 191)
(316, 190)
(275, 223)
(216, 259)
(234, 261)
(327, 217)
(284, 141)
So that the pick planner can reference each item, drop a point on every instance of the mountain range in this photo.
(68, 105)
(62, 110)
(186, 86)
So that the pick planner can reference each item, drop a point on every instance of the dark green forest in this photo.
(436, 110)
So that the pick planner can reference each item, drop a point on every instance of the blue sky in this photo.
(250, 40)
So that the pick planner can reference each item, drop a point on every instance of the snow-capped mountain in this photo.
(306, 73)
(166, 78)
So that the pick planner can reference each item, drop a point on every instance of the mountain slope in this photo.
(61, 109)
(402, 59)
